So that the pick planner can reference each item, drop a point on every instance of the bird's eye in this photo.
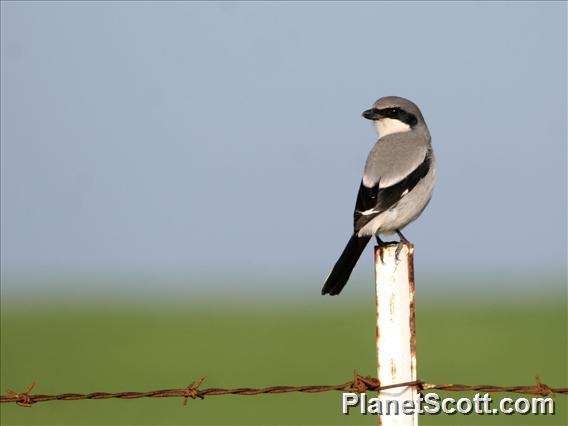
(393, 111)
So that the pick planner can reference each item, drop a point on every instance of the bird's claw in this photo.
(381, 244)
(400, 245)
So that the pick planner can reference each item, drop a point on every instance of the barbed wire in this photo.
(359, 384)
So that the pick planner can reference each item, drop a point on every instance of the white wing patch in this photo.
(368, 212)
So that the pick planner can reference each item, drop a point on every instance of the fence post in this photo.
(396, 336)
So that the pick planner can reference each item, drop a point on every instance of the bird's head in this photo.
(393, 114)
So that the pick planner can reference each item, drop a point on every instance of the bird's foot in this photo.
(400, 245)
(381, 244)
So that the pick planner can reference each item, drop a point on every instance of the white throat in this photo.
(388, 126)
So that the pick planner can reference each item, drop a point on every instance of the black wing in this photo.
(382, 199)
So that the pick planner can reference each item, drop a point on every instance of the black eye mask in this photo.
(398, 114)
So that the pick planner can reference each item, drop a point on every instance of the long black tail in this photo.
(344, 265)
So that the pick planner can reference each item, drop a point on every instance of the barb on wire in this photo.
(359, 384)
(22, 399)
(192, 390)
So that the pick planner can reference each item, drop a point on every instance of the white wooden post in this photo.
(396, 336)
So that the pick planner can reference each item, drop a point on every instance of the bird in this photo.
(397, 184)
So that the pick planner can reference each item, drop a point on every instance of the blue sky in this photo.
(192, 138)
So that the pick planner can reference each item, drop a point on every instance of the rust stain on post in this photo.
(412, 308)
(378, 257)
(391, 307)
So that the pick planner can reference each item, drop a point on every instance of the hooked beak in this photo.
(372, 114)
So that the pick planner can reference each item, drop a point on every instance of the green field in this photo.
(104, 345)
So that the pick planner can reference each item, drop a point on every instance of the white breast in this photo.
(388, 126)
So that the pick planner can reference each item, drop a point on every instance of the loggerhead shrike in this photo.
(396, 186)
